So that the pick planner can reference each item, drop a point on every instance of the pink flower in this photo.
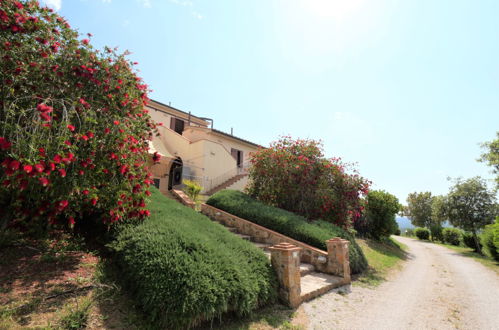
(85, 41)
(85, 192)
(62, 172)
(39, 168)
(156, 157)
(57, 159)
(116, 122)
(71, 128)
(71, 221)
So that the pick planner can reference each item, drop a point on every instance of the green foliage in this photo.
(491, 156)
(418, 208)
(181, 268)
(470, 205)
(294, 175)
(436, 232)
(192, 189)
(74, 132)
(287, 223)
(422, 233)
(452, 236)
(380, 214)
(489, 240)
(469, 241)
(398, 232)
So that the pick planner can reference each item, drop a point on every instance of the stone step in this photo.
(306, 269)
(245, 237)
(315, 284)
(263, 246)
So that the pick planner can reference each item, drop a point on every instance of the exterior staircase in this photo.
(229, 182)
(313, 283)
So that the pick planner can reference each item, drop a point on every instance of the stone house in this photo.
(192, 149)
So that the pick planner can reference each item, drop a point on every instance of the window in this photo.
(177, 125)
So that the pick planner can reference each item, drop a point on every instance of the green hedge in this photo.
(452, 236)
(422, 233)
(287, 223)
(181, 268)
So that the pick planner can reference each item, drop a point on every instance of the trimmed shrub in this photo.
(422, 233)
(469, 241)
(181, 268)
(74, 137)
(487, 240)
(452, 236)
(313, 233)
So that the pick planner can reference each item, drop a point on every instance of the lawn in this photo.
(383, 257)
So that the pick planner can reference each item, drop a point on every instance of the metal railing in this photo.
(216, 181)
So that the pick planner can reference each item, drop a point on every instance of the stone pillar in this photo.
(285, 259)
(338, 262)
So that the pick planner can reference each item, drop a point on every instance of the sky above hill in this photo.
(406, 89)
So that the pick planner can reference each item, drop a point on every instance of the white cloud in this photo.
(54, 4)
(197, 15)
(185, 3)
(145, 3)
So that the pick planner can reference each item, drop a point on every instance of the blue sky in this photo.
(406, 89)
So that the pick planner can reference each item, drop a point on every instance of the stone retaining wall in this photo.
(332, 262)
(183, 198)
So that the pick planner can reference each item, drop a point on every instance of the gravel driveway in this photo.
(436, 289)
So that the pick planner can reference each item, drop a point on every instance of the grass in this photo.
(467, 252)
(383, 258)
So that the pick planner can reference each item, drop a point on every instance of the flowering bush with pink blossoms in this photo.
(294, 175)
(73, 129)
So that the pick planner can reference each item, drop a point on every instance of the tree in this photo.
(491, 157)
(471, 206)
(73, 129)
(380, 212)
(438, 216)
(294, 175)
(418, 208)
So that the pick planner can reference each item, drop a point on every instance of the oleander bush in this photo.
(73, 129)
(295, 176)
(452, 236)
(182, 269)
(295, 226)
(422, 233)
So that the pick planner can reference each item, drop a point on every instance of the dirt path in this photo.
(436, 289)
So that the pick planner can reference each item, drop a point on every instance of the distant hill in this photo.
(404, 223)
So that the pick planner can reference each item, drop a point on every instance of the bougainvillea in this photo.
(295, 175)
(73, 129)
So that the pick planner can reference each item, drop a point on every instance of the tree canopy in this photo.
(491, 156)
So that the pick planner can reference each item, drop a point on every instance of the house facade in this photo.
(192, 149)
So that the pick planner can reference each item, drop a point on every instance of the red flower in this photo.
(62, 172)
(85, 41)
(71, 128)
(39, 168)
(156, 157)
(84, 138)
(90, 135)
(61, 205)
(85, 192)
(23, 184)
(44, 181)
(43, 108)
(116, 122)
(28, 169)
(14, 165)
(4, 144)
(67, 143)
(57, 159)
(93, 201)
(71, 221)
(18, 5)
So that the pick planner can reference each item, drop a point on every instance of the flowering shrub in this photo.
(73, 129)
(294, 175)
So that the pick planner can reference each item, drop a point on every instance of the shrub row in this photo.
(287, 223)
(182, 269)
(452, 236)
